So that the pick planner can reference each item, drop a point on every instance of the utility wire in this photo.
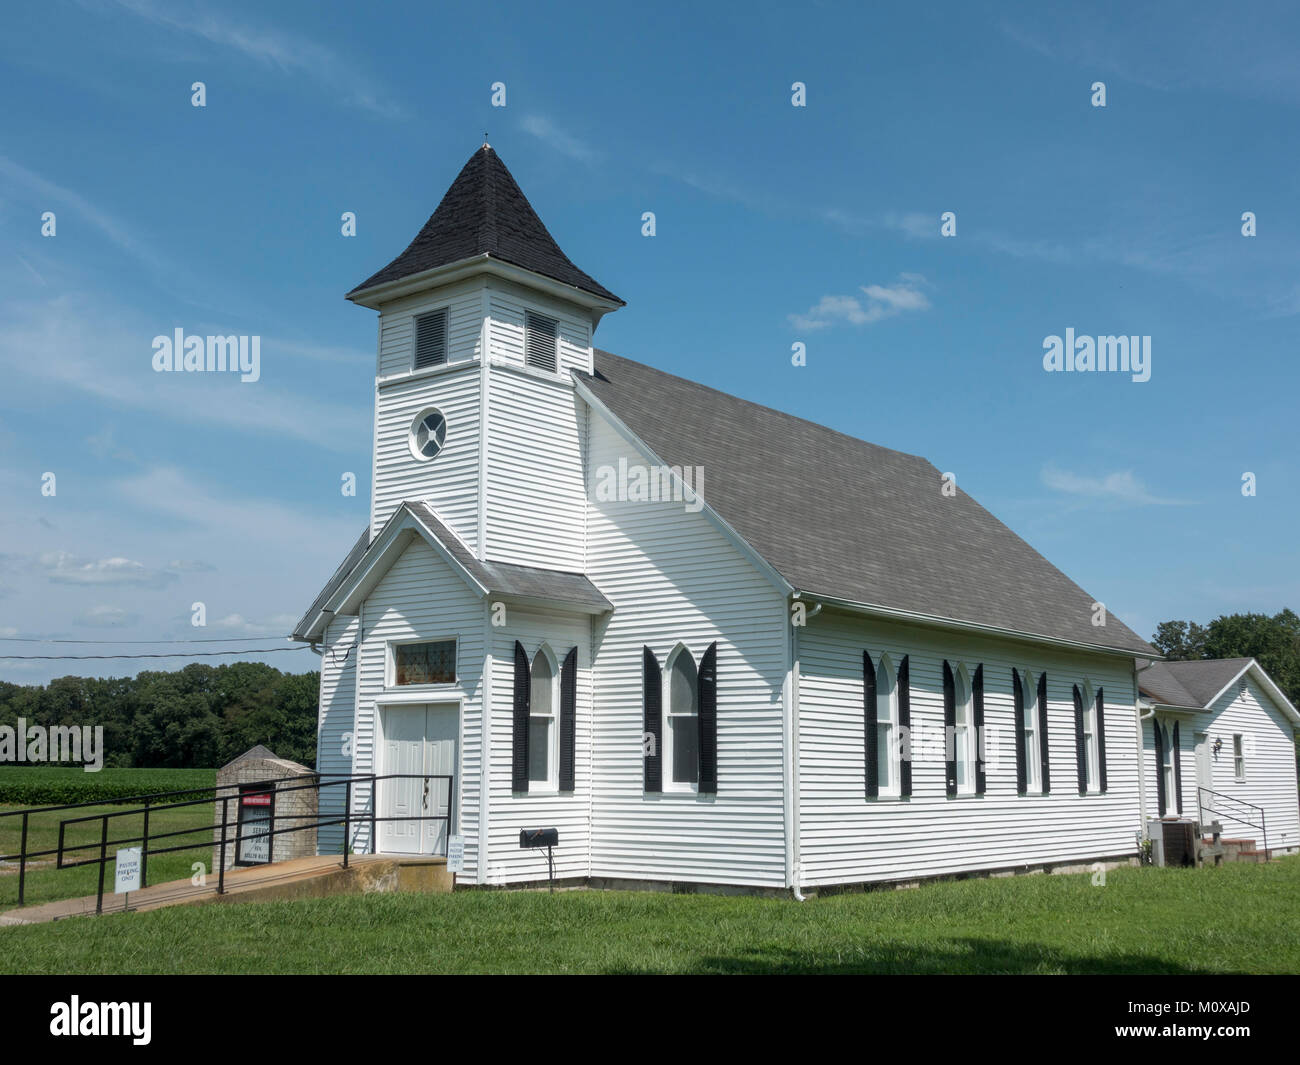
(230, 639)
(176, 654)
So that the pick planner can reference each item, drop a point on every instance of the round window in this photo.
(428, 434)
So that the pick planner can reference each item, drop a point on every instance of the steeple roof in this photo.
(485, 213)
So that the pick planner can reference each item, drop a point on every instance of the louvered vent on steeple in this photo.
(541, 336)
(431, 340)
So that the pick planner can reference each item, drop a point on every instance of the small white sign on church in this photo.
(128, 870)
(456, 854)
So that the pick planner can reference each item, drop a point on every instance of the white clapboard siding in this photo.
(464, 305)
(676, 578)
(568, 812)
(847, 838)
(338, 676)
(506, 306)
(420, 597)
(449, 482)
(1270, 780)
(536, 509)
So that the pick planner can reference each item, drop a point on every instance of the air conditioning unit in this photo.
(1173, 841)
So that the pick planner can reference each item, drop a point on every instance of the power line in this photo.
(118, 643)
(177, 654)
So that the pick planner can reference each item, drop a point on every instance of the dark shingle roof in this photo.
(841, 518)
(1200, 679)
(1161, 684)
(331, 586)
(485, 213)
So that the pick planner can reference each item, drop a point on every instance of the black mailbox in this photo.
(539, 837)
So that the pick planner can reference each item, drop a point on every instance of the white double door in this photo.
(419, 744)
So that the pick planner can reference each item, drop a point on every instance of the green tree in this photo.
(1274, 642)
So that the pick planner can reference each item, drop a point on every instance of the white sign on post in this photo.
(456, 854)
(128, 870)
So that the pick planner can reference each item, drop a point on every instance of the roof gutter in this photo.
(485, 262)
(970, 626)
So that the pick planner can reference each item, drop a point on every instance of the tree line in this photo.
(1272, 641)
(201, 716)
(198, 717)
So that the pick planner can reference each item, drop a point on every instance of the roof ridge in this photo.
(488, 234)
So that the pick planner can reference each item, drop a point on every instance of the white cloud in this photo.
(1122, 486)
(565, 143)
(882, 301)
(915, 224)
(71, 342)
(65, 568)
(275, 625)
(285, 52)
(57, 198)
(104, 616)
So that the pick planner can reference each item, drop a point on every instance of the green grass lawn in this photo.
(1236, 919)
(45, 883)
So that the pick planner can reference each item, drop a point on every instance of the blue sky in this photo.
(775, 224)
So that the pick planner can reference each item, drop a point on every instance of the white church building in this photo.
(710, 643)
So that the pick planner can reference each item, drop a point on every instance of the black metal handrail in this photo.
(224, 794)
(1202, 808)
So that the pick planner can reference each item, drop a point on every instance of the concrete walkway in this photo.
(301, 878)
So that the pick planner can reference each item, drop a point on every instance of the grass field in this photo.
(45, 883)
(1236, 919)
(52, 785)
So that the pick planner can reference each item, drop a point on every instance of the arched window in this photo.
(1029, 726)
(964, 735)
(681, 756)
(1090, 754)
(888, 738)
(1167, 767)
(543, 728)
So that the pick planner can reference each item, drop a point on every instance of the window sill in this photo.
(442, 686)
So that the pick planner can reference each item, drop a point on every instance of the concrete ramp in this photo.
(301, 878)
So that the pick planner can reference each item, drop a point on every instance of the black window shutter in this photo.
(1178, 772)
(652, 704)
(1080, 755)
(1044, 754)
(870, 733)
(1161, 798)
(949, 725)
(904, 682)
(568, 718)
(519, 730)
(977, 703)
(1101, 740)
(1018, 701)
(707, 686)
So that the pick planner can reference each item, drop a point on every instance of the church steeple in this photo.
(484, 213)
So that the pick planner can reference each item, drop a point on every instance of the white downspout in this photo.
(1141, 751)
(793, 755)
